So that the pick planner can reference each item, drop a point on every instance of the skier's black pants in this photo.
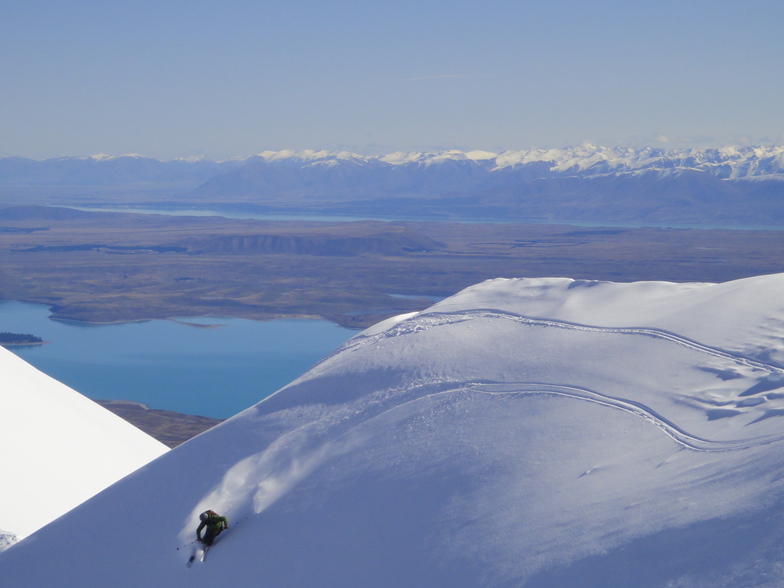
(209, 536)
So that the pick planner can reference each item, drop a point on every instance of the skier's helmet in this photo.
(204, 516)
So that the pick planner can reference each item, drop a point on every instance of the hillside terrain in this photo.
(525, 432)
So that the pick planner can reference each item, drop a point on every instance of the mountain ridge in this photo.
(728, 186)
(731, 162)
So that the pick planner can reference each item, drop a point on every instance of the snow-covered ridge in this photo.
(586, 160)
(731, 162)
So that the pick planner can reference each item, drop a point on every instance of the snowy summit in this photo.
(529, 432)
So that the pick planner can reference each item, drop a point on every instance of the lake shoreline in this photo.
(175, 366)
(169, 427)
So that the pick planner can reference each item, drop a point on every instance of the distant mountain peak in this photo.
(105, 157)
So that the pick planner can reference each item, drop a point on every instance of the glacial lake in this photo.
(209, 366)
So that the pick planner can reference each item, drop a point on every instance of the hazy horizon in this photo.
(476, 154)
(221, 81)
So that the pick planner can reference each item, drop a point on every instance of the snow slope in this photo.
(59, 448)
(532, 432)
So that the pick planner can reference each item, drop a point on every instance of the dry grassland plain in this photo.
(112, 267)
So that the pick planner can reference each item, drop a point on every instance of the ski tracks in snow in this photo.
(429, 320)
(676, 433)
(254, 483)
(426, 391)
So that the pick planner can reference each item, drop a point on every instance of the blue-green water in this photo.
(215, 372)
(394, 217)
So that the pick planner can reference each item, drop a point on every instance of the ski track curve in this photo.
(687, 440)
(427, 320)
(679, 435)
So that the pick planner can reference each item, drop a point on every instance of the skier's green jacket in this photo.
(214, 524)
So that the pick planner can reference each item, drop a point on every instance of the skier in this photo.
(214, 524)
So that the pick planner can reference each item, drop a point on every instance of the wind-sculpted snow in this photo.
(532, 432)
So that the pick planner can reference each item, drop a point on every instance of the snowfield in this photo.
(529, 432)
(59, 448)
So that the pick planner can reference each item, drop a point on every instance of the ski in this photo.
(199, 551)
(196, 552)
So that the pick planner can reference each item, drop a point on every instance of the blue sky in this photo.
(232, 78)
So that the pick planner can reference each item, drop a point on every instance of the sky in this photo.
(171, 78)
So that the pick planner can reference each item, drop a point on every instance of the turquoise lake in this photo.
(215, 369)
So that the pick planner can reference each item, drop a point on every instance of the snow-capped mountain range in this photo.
(524, 432)
(585, 160)
(727, 186)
